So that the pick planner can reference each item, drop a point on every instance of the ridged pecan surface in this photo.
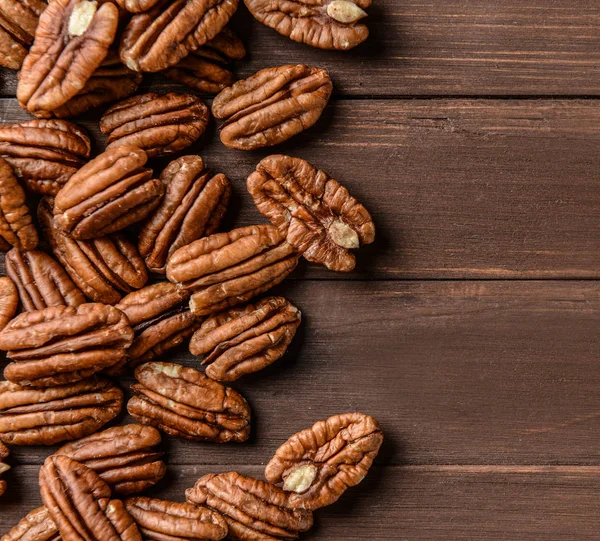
(137, 6)
(18, 21)
(4, 452)
(35, 526)
(9, 301)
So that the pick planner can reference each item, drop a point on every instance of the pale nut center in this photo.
(300, 479)
(3, 467)
(343, 235)
(81, 17)
(345, 12)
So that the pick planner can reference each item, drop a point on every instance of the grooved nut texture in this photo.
(18, 21)
(9, 301)
(35, 526)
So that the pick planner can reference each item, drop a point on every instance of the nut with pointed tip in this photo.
(345, 12)
(9, 301)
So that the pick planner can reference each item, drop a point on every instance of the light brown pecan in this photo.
(18, 21)
(158, 124)
(243, 340)
(318, 465)
(78, 501)
(63, 344)
(162, 36)
(137, 6)
(194, 204)
(71, 41)
(326, 24)
(227, 269)
(9, 301)
(30, 416)
(44, 154)
(160, 520)
(271, 106)
(183, 402)
(35, 526)
(124, 457)
(109, 193)
(3, 466)
(315, 212)
(253, 509)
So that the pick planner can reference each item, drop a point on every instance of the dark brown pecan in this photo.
(227, 269)
(41, 281)
(253, 509)
(194, 204)
(124, 457)
(158, 124)
(160, 520)
(3, 467)
(109, 193)
(78, 501)
(318, 465)
(315, 212)
(63, 344)
(183, 402)
(162, 36)
(137, 6)
(18, 21)
(9, 301)
(271, 106)
(35, 526)
(44, 154)
(71, 41)
(30, 416)
(243, 340)
(326, 24)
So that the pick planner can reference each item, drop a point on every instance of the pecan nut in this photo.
(137, 6)
(44, 154)
(271, 106)
(183, 402)
(79, 503)
(316, 214)
(226, 269)
(9, 301)
(3, 466)
(325, 24)
(246, 339)
(109, 193)
(35, 526)
(194, 204)
(124, 457)
(159, 520)
(158, 124)
(30, 416)
(318, 465)
(63, 344)
(252, 509)
(18, 21)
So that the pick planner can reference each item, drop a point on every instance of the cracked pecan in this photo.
(194, 204)
(124, 457)
(3, 466)
(30, 416)
(252, 509)
(9, 301)
(325, 24)
(63, 344)
(18, 21)
(35, 526)
(318, 465)
(243, 340)
(315, 212)
(227, 269)
(271, 106)
(183, 402)
(109, 193)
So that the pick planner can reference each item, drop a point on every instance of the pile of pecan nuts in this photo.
(132, 264)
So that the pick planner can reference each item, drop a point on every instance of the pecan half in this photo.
(137, 6)
(159, 124)
(162, 36)
(271, 106)
(246, 339)
(315, 212)
(41, 281)
(18, 21)
(319, 464)
(194, 204)
(9, 301)
(252, 509)
(109, 193)
(30, 416)
(35, 526)
(124, 457)
(226, 269)
(71, 41)
(326, 24)
(78, 501)
(63, 344)
(183, 402)
(159, 520)
(4, 452)
(44, 154)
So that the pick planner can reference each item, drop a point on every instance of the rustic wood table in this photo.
(471, 130)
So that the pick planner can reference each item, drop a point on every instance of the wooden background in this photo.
(471, 130)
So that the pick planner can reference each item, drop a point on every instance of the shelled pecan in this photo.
(243, 340)
(271, 106)
(4, 452)
(35, 526)
(30, 416)
(137, 6)
(18, 21)
(194, 204)
(319, 464)
(9, 301)
(252, 509)
(183, 402)
(227, 269)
